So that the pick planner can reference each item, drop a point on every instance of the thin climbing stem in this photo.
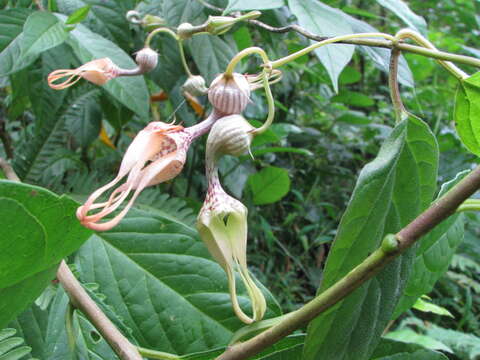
(244, 53)
(291, 57)
(394, 87)
(419, 39)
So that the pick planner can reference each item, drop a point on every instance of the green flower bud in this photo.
(218, 25)
(185, 31)
(195, 85)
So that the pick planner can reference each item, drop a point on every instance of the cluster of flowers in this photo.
(158, 154)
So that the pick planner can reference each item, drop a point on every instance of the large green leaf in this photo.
(41, 31)
(11, 25)
(84, 118)
(467, 112)
(15, 298)
(160, 279)
(177, 12)
(105, 17)
(130, 91)
(401, 9)
(38, 229)
(323, 20)
(240, 5)
(212, 54)
(434, 254)
(390, 192)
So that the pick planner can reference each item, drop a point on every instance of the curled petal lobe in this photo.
(97, 71)
(157, 154)
(222, 224)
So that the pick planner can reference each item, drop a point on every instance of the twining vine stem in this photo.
(392, 246)
(394, 87)
(82, 301)
(427, 49)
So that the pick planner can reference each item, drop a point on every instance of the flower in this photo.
(157, 154)
(222, 221)
(222, 224)
(97, 71)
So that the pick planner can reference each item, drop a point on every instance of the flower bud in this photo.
(218, 25)
(230, 135)
(229, 94)
(152, 22)
(195, 85)
(185, 31)
(147, 59)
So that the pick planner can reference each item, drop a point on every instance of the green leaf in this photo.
(349, 75)
(467, 115)
(78, 15)
(401, 9)
(241, 5)
(433, 255)
(390, 192)
(269, 185)
(105, 17)
(212, 54)
(15, 298)
(38, 229)
(26, 236)
(83, 118)
(426, 306)
(353, 98)
(417, 355)
(409, 336)
(41, 223)
(286, 349)
(41, 31)
(177, 12)
(31, 325)
(130, 91)
(354, 118)
(10, 347)
(159, 277)
(11, 25)
(464, 345)
(389, 347)
(323, 20)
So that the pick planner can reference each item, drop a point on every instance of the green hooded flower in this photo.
(222, 222)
